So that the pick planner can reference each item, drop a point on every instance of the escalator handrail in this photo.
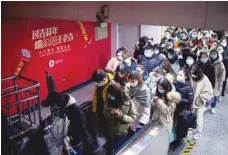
(132, 139)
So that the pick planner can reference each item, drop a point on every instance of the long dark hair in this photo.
(166, 85)
(134, 75)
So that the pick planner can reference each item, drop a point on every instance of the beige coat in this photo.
(163, 112)
(220, 74)
(112, 64)
(203, 92)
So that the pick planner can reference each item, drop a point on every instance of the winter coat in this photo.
(150, 63)
(131, 67)
(121, 80)
(142, 98)
(112, 64)
(119, 126)
(220, 74)
(175, 66)
(203, 92)
(164, 111)
(187, 96)
(104, 93)
(209, 70)
(145, 75)
(77, 120)
(225, 60)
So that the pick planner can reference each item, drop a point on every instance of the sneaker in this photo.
(190, 134)
(197, 136)
(213, 110)
(220, 98)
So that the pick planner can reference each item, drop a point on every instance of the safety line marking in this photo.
(189, 148)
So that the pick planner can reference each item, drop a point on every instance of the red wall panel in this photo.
(75, 59)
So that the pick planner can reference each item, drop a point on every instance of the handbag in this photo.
(188, 117)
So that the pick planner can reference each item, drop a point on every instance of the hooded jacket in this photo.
(77, 120)
(164, 110)
(119, 126)
(220, 75)
(203, 92)
(104, 93)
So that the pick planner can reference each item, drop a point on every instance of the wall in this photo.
(151, 31)
(202, 14)
(114, 39)
(74, 59)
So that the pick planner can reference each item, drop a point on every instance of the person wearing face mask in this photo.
(193, 34)
(102, 81)
(120, 112)
(158, 52)
(170, 44)
(173, 59)
(121, 75)
(163, 45)
(187, 96)
(207, 67)
(192, 44)
(184, 38)
(154, 76)
(174, 37)
(150, 60)
(141, 70)
(140, 93)
(140, 47)
(214, 44)
(224, 52)
(164, 104)
(115, 61)
(129, 63)
(203, 93)
(191, 59)
(220, 74)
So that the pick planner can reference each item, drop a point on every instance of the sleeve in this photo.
(131, 116)
(107, 112)
(109, 66)
(207, 92)
(222, 73)
(189, 97)
(94, 102)
(212, 77)
(163, 108)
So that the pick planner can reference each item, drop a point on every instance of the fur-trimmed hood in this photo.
(174, 96)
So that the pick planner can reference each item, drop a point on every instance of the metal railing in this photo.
(20, 99)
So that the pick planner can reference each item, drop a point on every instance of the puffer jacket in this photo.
(119, 126)
(164, 111)
(220, 74)
(150, 63)
(203, 92)
(104, 93)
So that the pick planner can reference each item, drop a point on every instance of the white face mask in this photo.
(156, 52)
(224, 43)
(127, 61)
(133, 84)
(167, 36)
(163, 45)
(189, 61)
(148, 53)
(100, 84)
(220, 50)
(119, 57)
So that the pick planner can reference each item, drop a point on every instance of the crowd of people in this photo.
(186, 72)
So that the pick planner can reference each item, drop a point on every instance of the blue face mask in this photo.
(162, 91)
(204, 60)
(170, 56)
(112, 97)
(213, 57)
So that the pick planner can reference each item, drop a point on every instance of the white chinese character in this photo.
(48, 31)
(64, 47)
(54, 41)
(71, 37)
(55, 30)
(39, 44)
(46, 42)
(35, 34)
(48, 50)
(58, 48)
(65, 38)
(52, 49)
(42, 33)
(61, 47)
(59, 39)
(68, 46)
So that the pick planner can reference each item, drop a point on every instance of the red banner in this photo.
(66, 49)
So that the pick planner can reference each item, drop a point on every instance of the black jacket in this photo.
(150, 63)
(225, 60)
(187, 97)
(209, 70)
(77, 121)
